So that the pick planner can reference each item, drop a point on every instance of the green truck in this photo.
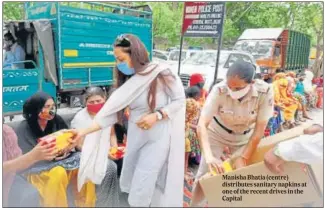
(275, 48)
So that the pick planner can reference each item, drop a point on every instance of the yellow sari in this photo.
(52, 186)
(283, 99)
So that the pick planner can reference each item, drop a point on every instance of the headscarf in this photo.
(308, 81)
(31, 128)
(196, 79)
(279, 76)
(10, 151)
(31, 109)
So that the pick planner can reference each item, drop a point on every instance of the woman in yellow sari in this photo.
(51, 178)
(283, 98)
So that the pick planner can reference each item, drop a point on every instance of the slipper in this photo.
(292, 125)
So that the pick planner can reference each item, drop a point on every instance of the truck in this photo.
(275, 48)
(69, 47)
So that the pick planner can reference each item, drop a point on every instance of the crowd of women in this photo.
(294, 95)
(145, 114)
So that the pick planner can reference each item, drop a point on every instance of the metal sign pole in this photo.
(180, 55)
(219, 47)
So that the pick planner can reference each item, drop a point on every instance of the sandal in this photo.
(285, 127)
(292, 125)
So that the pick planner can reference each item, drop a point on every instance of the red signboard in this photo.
(203, 19)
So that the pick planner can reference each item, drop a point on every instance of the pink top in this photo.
(10, 151)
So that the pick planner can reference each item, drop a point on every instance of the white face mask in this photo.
(240, 93)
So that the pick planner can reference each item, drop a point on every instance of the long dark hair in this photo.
(31, 109)
(140, 60)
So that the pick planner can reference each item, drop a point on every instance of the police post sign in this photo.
(203, 19)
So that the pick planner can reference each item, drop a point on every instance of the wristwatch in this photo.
(159, 115)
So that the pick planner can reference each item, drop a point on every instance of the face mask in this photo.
(125, 69)
(240, 93)
(47, 115)
(94, 108)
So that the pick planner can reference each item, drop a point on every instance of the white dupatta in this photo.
(83, 120)
(94, 154)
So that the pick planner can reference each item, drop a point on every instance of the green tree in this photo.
(309, 20)
(13, 10)
(306, 17)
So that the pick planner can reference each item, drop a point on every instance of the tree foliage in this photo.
(13, 10)
(306, 17)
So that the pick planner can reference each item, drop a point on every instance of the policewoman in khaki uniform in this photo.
(235, 114)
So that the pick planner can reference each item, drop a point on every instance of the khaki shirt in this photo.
(240, 116)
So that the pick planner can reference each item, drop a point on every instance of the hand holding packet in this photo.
(60, 139)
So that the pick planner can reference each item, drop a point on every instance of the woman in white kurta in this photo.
(153, 168)
(107, 193)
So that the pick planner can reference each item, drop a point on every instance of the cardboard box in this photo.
(231, 190)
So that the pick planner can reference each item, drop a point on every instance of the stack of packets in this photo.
(60, 139)
(117, 152)
(255, 186)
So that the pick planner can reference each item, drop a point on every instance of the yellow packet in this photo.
(62, 140)
(59, 138)
(226, 166)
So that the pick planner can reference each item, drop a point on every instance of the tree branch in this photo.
(246, 10)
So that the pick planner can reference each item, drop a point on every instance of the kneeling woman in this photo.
(235, 115)
(107, 191)
(51, 178)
